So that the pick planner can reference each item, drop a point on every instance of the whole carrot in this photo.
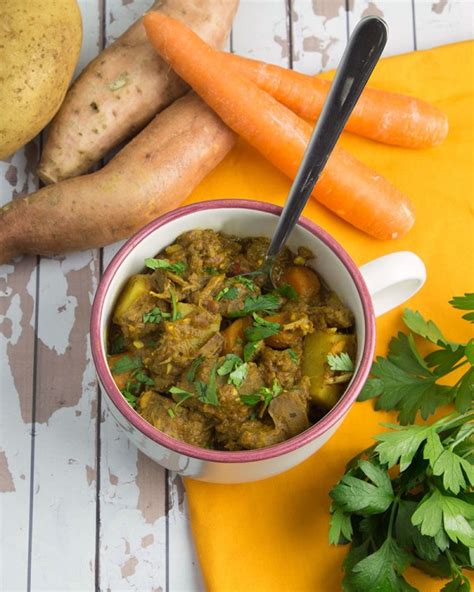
(387, 117)
(347, 187)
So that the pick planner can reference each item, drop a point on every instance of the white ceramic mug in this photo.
(377, 287)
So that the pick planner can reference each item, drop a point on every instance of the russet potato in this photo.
(40, 41)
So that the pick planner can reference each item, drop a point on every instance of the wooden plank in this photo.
(261, 31)
(443, 21)
(398, 14)
(319, 33)
(133, 522)
(63, 504)
(17, 343)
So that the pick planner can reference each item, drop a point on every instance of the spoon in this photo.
(359, 59)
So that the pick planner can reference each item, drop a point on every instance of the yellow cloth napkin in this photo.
(271, 536)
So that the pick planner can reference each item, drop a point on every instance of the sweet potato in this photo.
(152, 174)
(121, 90)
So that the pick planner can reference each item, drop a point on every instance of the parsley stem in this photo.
(393, 513)
(455, 571)
(462, 437)
(454, 419)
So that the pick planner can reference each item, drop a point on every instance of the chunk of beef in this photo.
(188, 425)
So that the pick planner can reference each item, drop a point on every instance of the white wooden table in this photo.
(80, 508)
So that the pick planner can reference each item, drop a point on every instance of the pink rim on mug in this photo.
(316, 430)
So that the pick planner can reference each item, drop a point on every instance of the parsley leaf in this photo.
(465, 302)
(293, 355)
(381, 570)
(340, 528)
(211, 390)
(404, 383)
(401, 445)
(340, 362)
(211, 271)
(353, 494)
(264, 394)
(178, 268)
(181, 394)
(454, 470)
(239, 374)
(288, 292)
(410, 383)
(143, 378)
(240, 279)
(262, 303)
(191, 373)
(261, 329)
(438, 511)
(117, 343)
(251, 349)
(155, 315)
(175, 314)
(227, 293)
(251, 400)
(130, 392)
(230, 362)
(427, 329)
(126, 364)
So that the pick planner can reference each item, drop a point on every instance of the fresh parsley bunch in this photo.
(409, 383)
(408, 501)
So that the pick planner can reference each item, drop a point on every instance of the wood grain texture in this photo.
(100, 499)
(17, 355)
(319, 34)
(62, 515)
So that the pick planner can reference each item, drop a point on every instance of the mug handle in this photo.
(393, 279)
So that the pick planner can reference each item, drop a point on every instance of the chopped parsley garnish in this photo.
(262, 303)
(181, 394)
(293, 355)
(117, 344)
(288, 292)
(178, 268)
(155, 315)
(171, 413)
(211, 271)
(240, 279)
(230, 362)
(264, 394)
(131, 393)
(261, 329)
(235, 368)
(251, 349)
(126, 364)
(227, 294)
(251, 400)
(340, 362)
(191, 373)
(175, 315)
(134, 385)
(143, 378)
(211, 391)
(207, 393)
(238, 375)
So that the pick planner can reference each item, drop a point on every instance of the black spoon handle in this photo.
(359, 59)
